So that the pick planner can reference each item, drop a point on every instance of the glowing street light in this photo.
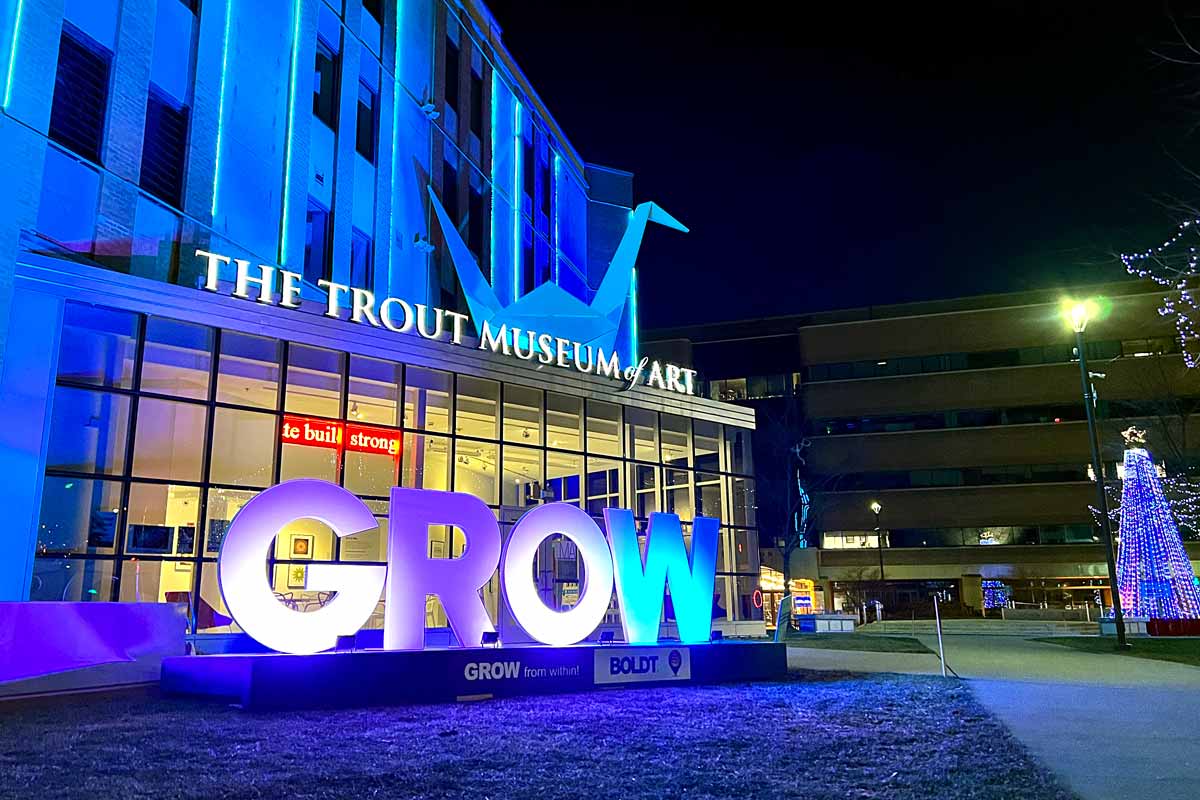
(1077, 314)
(877, 507)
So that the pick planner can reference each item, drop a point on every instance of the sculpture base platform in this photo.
(354, 679)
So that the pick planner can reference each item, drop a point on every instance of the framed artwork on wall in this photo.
(302, 545)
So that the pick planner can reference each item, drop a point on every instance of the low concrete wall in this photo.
(62, 647)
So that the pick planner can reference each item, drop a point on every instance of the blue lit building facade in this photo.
(392, 146)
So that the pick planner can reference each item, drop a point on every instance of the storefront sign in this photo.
(614, 557)
(400, 316)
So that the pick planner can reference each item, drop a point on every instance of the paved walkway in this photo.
(1109, 727)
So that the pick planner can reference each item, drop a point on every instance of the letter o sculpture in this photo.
(545, 624)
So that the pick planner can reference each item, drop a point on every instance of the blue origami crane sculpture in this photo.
(596, 324)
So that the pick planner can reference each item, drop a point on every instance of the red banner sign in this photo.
(332, 434)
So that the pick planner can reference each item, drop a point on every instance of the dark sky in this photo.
(860, 153)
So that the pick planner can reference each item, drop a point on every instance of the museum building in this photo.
(211, 284)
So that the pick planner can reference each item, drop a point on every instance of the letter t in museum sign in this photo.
(411, 575)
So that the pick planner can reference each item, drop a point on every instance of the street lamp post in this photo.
(1078, 314)
(877, 507)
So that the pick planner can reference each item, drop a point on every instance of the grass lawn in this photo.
(815, 736)
(872, 643)
(1182, 651)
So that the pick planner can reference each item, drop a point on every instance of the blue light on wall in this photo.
(518, 191)
(633, 317)
(557, 246)
(287, 159)
(395, 139)
(221, 106)
(12, 53)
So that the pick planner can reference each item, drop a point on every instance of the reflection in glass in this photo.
(154, 581)
(169, 442)
(679, 493)
(162, 513)
(744, 505)
(249, 370)
(177, 359)
(676, 440)
(709, 496)
(78, 516)
(476, 408)
(522, 484)
(603, 485)
(88, 431)
(223, 504)
(243, 451)
(603, 428)
(99, 346)
(427, 399)
(738, 450)
(426, 462)
(564, 421)
(641, 431)
(72, 580)
(564, 477)
(306, 461)
(708, 445)
(475, 470)
(372, 474)
(314, 381)
(211, 614)
(522, 414)
(374, 391)
(643, 486)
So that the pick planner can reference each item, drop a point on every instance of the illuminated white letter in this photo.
(246, 587)
(546, 625)
(496, 341)
(290, 294)
(214, 266)
(385, 314)
(241, 285)
(334, 291)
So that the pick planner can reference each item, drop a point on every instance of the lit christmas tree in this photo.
(1154, 575)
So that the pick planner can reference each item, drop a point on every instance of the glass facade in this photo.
(162, 430)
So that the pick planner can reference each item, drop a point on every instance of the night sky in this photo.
(868, 153)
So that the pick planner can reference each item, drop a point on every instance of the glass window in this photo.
(603, 428)
(426, 462)
(317, 233)
(708, 445)
(374, 391)
(314, 381)
(522, 484)
(564, 421)
(679, 493)
(162, 518)
(362, 260)
(249, 371)
(738, 451)
(325, 84)
(156, 581)
(641, 430)
(211, 614)
(427, 399)
(476, 408)
(99, 346)
(676, 440)
(304, 540)
(243, 449)
(364, 134)
(170, 440)
(603, 485)
(564, 473)
(644, 482)
(223, 505)
(744, 503)
(88, 431)
(709, 496)
(475, 470)
(309, 461)
(369, 545)
(177, 358)
(372, 474)
(78, 516)
(522, 414)
(72, 580)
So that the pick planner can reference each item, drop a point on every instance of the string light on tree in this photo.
(1173, 264)
(996, 594)
(1154, 575)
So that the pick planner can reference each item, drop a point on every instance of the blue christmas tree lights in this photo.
(1154, 575)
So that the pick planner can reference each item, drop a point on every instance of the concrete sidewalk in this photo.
(1108, 726)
